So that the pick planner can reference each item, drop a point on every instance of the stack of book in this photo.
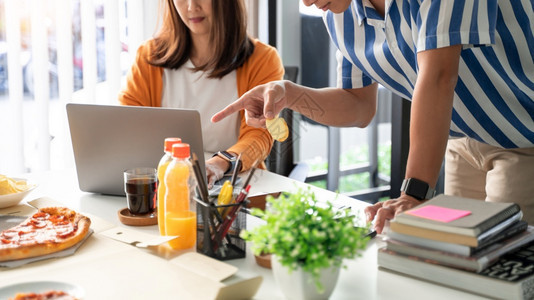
(473, 245)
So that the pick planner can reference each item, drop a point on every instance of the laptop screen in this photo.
(108, 139)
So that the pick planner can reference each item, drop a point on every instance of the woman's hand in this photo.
(215, 169)
(387, 210)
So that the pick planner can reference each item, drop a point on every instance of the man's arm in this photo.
(429, 126)
(334, 106)
(329, 106)
(431, 112)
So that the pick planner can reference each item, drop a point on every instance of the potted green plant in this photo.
(308, 238)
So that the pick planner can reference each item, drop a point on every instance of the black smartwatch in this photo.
(228, 157)
(418, 189)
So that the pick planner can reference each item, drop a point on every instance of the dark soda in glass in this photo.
(141, 196)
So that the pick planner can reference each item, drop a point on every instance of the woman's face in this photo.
(196, 15)
(335, 6)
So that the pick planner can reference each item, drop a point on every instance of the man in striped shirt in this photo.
(468, 68)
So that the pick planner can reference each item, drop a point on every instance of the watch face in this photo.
(415, 188)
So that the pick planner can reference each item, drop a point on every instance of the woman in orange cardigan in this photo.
(203, 59)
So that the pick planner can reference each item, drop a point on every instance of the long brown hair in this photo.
(232, 46)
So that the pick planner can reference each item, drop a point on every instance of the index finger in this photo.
(228, 110)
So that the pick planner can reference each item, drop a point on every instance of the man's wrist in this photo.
(411, 198)
(289, 88)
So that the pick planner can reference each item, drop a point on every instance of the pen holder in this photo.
(218, 229)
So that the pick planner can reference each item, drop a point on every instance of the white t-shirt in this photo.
(184, 88)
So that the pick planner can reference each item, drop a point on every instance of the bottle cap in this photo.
(169, 142)
(180, 150)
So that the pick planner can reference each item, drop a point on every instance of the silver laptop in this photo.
(108, 139)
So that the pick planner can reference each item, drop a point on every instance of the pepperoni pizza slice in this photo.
(50, 230)
(50, 295)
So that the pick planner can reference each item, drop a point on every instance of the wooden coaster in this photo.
(127, 218)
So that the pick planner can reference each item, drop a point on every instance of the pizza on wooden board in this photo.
(50, 230)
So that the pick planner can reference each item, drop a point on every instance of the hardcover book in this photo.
(459, 249)
(477, 262)
(449, 237)
(482, 215)
(511, 277)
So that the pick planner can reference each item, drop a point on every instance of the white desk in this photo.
(119, 280)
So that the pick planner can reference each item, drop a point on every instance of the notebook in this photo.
(481, 215)
(108, 139)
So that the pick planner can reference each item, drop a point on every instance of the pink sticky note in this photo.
(439, 213)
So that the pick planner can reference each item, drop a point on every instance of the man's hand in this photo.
(262, 102)
(387, 210)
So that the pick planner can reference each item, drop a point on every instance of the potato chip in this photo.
(11, 186)
(278, 129)
(5, 186)
(21, 185)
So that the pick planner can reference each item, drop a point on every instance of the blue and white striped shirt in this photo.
(494, 96)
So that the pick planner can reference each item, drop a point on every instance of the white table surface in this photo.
(360, 280)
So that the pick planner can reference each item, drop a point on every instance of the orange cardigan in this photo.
(144, 88)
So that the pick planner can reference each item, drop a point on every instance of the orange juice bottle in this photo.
(162, 167)
(180, 217)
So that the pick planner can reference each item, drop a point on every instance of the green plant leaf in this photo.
(304, 233)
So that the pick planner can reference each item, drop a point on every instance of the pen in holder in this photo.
(219, 226)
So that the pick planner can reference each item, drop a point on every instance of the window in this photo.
(58, 51)
(348, 160)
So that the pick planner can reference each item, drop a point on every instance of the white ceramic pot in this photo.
(299, 285)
